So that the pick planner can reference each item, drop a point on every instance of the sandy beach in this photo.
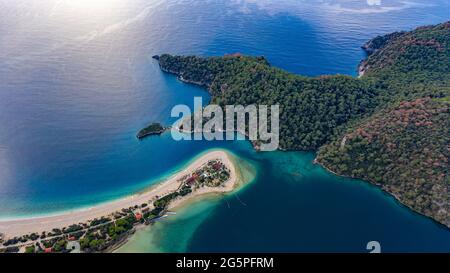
(18, 227)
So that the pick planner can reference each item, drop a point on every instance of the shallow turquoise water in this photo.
(294, 206)
(77, 83)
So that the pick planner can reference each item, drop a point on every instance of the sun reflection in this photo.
(90, 4)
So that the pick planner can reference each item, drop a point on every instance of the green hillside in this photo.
(390, 126)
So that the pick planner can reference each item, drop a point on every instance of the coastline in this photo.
(19, 227)
(396, 198)
(244, 177)
(361, 68)
(371, 48)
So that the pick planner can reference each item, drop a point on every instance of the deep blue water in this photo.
(77, 83)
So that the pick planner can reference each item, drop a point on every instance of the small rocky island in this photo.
(153, 129)
(388, 127)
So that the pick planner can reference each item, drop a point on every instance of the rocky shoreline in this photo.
(385, 190)
(378, 48)
(373, 46)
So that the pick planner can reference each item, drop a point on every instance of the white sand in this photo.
(19, 227)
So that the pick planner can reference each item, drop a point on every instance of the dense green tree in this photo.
(389, 126)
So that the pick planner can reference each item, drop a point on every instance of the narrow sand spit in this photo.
(18, 227)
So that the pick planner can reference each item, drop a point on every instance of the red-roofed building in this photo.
(48, 250)
(138, 216)
(190, 180)
(71, 238)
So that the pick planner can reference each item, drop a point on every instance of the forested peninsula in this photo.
(389, 126)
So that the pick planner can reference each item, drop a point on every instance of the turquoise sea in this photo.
(77, 82)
